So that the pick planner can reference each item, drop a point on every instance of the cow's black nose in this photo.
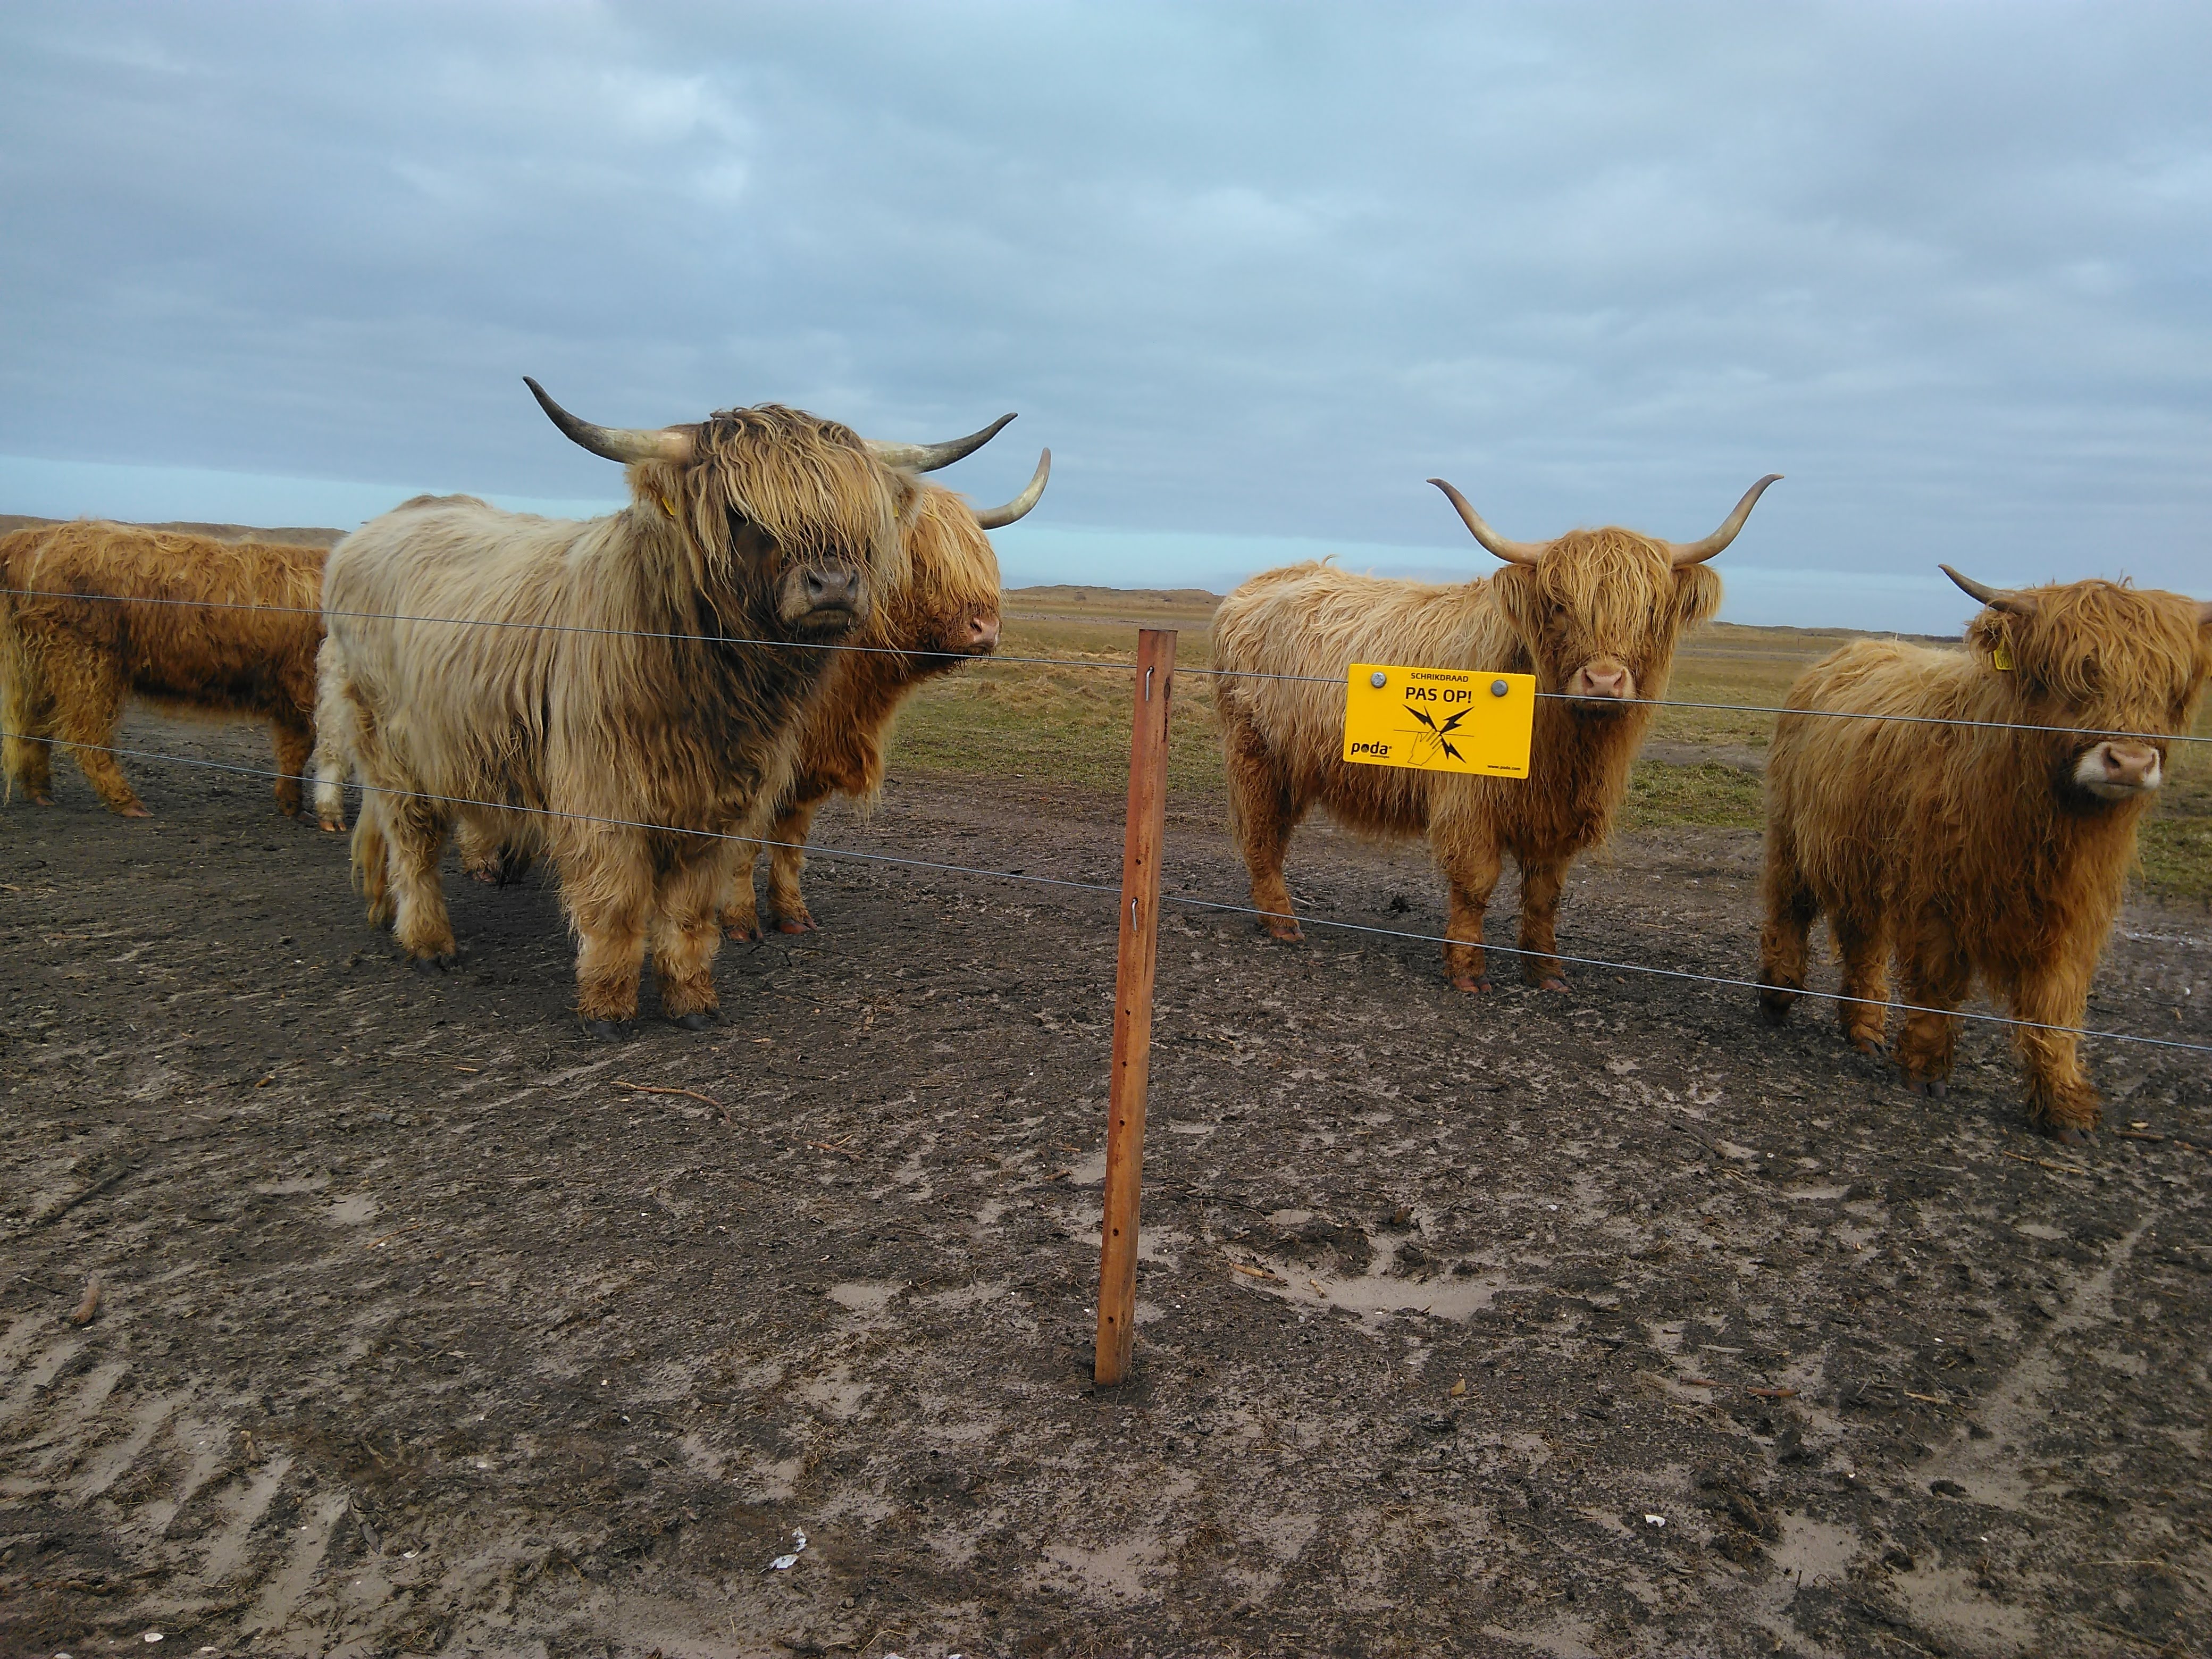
(833, 590)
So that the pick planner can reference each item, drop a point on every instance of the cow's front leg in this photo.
(687, 934)
(1937, 977)
(1471, 867)
(1542, 880)
(2061, 1101)
(1262, 815)
(416, 830)
(786, 903)
(606, 885)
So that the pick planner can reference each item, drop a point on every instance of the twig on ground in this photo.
(89, 1304)
(1773, 1394)
(689, 1094)
(2044, 1164)
(836, 1146)
(376, 1243)
(92, 1191)
(1926, 1399)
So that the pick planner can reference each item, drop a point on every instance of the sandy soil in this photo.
(1609, 1323)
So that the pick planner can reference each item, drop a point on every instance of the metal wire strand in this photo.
(1092, 664)
(1107, 887)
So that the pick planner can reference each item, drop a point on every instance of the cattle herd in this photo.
(648, 700)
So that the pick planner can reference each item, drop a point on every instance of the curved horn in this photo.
(1682, 553)
(1997, 599)
(998, 517)
(2204, 613)
(927, 458)
(1511, 552)
(618, 443)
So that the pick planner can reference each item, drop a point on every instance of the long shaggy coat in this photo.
(1605, 596)
(1965, 852)
(634, 701)
(68, 665)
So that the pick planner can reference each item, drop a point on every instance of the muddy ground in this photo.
(1609, 1323)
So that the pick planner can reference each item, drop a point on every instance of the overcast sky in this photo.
(1252, 271)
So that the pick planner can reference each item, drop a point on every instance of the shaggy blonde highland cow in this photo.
(635, 704)
(1594, 616)
(1976, 850)
(74, 649)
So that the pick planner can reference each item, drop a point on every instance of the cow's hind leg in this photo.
(1261, 813)
(1862, 942)
(294, 741)
(1541, 881)
(371, 862)
(1937, 975)
(27, 716)
(687, 933)
(1785, 939)
(88, 691)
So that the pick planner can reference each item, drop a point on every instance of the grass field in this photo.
(1070, 726)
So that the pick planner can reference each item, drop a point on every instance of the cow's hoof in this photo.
(607, 1030)
(1928, 1088)
(437, 964)
(1866, 1045)
(796, 925)
(1476, 983)
(332, 826)
(738, 935)
(42, 800)
(1553, 982)
(488, 875)
(699, 1020)
(135, 809)
(2066, 1135)
(1290, 935)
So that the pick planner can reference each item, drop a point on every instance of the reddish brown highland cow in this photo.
(1978, 850)
(1594, 616)
(944, 613)
(69, 663)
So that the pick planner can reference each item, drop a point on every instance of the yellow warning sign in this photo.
(1439, 720)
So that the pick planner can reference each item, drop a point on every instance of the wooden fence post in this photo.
(1132, 1004)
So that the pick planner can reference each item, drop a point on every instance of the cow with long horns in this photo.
(1977, 818)
(1594, 616)
(945, 613)
(623, 692)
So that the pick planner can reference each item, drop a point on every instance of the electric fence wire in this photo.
(1093, 665)
(816, 850)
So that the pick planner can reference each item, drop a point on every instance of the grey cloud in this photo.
(1251, 271)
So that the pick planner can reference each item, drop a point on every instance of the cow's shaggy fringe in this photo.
(1594, 596)
(1965, 851)
(72, 650)
(693, 731)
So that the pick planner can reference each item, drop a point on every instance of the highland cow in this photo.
(1594, 616)
(629, 697)
(101, 613)
(943, 614)
(1962, 844)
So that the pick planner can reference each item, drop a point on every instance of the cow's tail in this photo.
(338, 735)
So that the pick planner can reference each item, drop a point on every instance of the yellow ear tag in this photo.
(2000, 658)
(668, 507)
